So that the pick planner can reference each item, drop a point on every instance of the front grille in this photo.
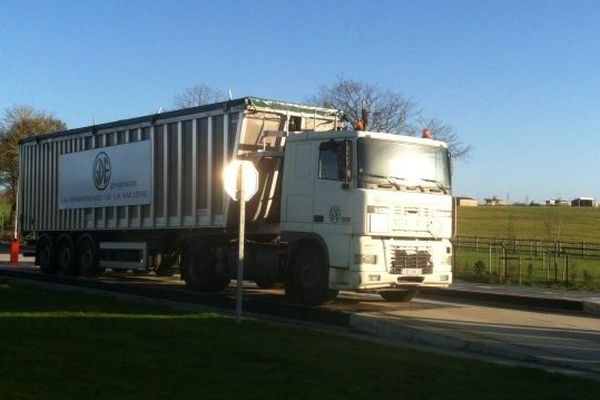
(403, 258)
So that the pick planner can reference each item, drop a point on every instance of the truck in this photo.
(336, 208)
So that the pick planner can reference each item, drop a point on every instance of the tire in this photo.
(310, 277)
(399, 295)
(199, 270)
(88, 257)
(66, 257)
(45, 255)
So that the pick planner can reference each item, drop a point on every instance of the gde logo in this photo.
(101, 172)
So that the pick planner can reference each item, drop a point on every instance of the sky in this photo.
(518, 80)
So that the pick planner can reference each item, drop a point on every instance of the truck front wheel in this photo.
(310, 277)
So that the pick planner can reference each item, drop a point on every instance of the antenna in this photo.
(230, 95)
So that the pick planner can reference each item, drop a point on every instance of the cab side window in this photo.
(332, 160)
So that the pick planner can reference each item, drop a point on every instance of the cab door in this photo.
(332, 206)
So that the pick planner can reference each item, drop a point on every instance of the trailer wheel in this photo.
(45, 255)
(65, 255)
(310, 277)
(199, 270)
(401, 295)
(89, 257)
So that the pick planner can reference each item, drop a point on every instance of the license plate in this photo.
(411, 271)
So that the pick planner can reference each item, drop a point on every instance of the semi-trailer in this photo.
(336, 208)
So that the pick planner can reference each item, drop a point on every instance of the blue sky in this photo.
(518, 80)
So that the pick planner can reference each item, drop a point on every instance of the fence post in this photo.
(490, 262)
(544, 266)
(520, 278)
(566, 270)
(583, 250)
(476, 243)
(504, 269)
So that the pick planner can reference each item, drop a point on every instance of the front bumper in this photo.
(400, 263)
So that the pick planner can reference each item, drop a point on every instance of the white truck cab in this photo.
(379, 204)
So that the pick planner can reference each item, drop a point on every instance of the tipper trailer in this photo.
(335, 208)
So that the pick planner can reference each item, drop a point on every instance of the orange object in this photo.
(426, 134)
(359, 125)
(15, 249)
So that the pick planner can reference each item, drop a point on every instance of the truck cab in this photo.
(376, 207)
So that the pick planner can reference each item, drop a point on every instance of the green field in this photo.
(524, 260)
(59, 345)
(568, 224)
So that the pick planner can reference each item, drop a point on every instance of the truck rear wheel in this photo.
(199, 269)
(88, 257)
(45, 255)
(310, 277)
(65, 255)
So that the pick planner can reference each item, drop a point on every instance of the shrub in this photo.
(479, 269)
(588, 280)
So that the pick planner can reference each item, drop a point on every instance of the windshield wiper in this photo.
(436, 183)
(387, 178)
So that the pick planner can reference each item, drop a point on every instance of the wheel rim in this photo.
(45, 255)
(65, 256)
(310, 274)
(86, 258)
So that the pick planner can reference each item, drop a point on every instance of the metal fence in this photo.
(527, 261)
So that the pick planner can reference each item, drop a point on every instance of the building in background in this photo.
(583, 202)
(494, 201)
(467, 202)
(558, 202)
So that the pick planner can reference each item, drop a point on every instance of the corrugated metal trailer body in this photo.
(187, 151)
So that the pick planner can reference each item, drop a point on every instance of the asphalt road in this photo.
(547, 339)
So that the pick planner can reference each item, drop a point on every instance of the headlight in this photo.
(378, 223)
(378, 210)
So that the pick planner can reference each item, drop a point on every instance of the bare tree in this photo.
(387, 111)
(553, 221)
(17, 123)
(198, 95)
(446, 133)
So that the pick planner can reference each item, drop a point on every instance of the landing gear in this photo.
(199, 269)
(166, 266)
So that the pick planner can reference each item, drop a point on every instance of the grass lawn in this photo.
(59, 345)
(571, 224)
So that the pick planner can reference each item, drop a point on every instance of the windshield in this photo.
(402, 166)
